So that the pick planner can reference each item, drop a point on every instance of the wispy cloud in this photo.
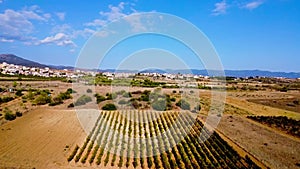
(59, 39)
(253, 4)
(220, 8)
(114, 13)
(17, 25)
(136, 24)
(96, 23)
(61, 15)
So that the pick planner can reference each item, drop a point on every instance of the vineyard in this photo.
(144, 139)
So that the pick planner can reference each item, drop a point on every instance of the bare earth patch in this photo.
(44, 138)
(273, 149)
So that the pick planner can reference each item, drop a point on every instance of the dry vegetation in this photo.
(50, 136)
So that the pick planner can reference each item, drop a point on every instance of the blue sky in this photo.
(247, 34)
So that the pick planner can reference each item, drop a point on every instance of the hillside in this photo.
(13, 59)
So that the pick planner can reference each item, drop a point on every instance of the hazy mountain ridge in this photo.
(13, 59)
(16, 60)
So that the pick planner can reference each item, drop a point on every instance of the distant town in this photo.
(12, 69)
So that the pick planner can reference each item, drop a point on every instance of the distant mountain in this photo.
(153, 71)
(61, 67)
(13, 59)
(16, 60)
(253, 73)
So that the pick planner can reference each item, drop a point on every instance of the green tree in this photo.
(109, 106)
(183, 104)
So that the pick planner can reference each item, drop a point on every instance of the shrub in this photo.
(99, 98)
(109, 106)
(82, 100)
(183, 104)
(6, 99)
(159, 105)
(135, 103)
(283, 89)
(122, 101)
(145, 97)
(71, 105)
(60, 98)
(110, 96)
(64, 96)
(18, 114)
(42, 99)
(15, 84)
(120, 92)
(127, 94)
(19, 93)
(69, 90)
(197, 107)
(9, 115)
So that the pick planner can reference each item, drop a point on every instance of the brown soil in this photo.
(271, 148)
(43, 138)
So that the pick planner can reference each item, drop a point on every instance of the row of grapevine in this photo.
(155, 140)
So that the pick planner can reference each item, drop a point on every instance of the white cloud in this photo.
(116, 12)
(136, 24)
(64, 28)
(253, 4)
(96, 23)
(72, 50)
(59, 39)
(14, 26)
(47, 16)
(17, 25)
(220, 8)
(31, 15)
(85, 33)
(5, 40)
(61, 15)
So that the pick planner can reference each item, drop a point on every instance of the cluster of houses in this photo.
(11, 69)
(156, 76)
